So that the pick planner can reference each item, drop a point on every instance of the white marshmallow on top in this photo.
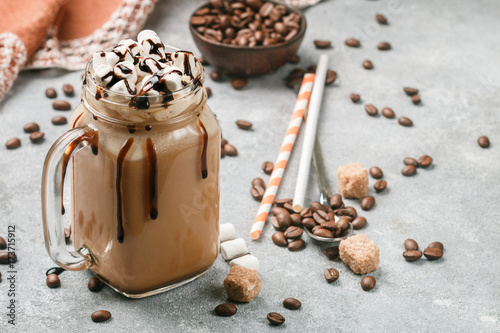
(233, 248)
(131, 45)
(169, 76)
(187, 63)
(247, 261)
(226, 232)
(151, 45)
(119, 53)
(103, 74)
(147, 65)
(124, 87)
(99, 58)
(126, 70)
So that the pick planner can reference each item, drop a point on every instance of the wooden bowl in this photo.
(245, 60)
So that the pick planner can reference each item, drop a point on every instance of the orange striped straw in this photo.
(285, 151)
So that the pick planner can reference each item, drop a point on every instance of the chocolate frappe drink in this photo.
(145, 197)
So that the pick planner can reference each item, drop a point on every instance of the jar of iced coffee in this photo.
(142, 161)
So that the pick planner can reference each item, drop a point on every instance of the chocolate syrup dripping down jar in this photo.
(142, 188)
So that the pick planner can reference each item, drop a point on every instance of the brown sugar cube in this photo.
(242, 284)
(359, 253)
(352, 180)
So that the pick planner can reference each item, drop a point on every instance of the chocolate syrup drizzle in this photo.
(204, 134)
(153, 178)
(119, 166)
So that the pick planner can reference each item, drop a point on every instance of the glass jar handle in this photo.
(54, 171)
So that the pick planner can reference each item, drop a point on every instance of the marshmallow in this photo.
(187, 63)
(166, 80)
(119, 53)
(247, 261)
(151, 45)
(147, 66)
(99, 58)
(233, 248)
(226, 232)
(103, 74)
(123, 87)
(131, 45)
(126, 70)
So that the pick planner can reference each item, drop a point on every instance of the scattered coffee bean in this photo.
(203, 61)
(243, 124)
(331, 76)
(317, 206)
(412, 255)
(411, 245)
(294, 59)
(404, 121)
(53, 281)
(61, 105)
(371, 110)
(415, 99)
(275, 318)
(7, 257)
(376, 172)
(216, 76)
(209, 92)
(424, 161)
(380, 185)
(367, 202)
(336, 202)
(59, 120)
(284, 219)
(368, 283)
(388, 113)
(13, 143)
(223, 142)
(352, 42)
(384, 46)
(433, 253)
(296, 220)
(268, 167)
(100, 316)
(292, 304)
(230, 150)
(95, 284)
(293, 232)
(258, 182)
(257, 192)
(331, 252)
(359, 223)
(410, 91)
(367, 64)
(343, 223)
(3, 243)
(37, 137)
(348, 211)
(321, 232)
(296, 245)
(274, 223)
(225, 310)
(436, 245)
(308, 222)
(483, 142)
(355, 98)
(238, 83)
(410, 161)
(51, 93)
(31, 127)
(322, 44)
(331, 275)
(68, 90)
(381, 19)
(409, 170)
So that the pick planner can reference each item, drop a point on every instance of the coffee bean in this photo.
(335, 201)
(412, 255)
(355, 98)
(306, 212)
(292, 304)
(404, 121)
(384, 46)
(367, 202)
(388, 113)
(348, 211)
(3, 243)
(7, 257)
(433, 253)
(410, 161)
(483, 142)
(100, 316)
(37, 137)
(316, 205)
(268, 167)
(376, 172)
(281, 202)
(415, 99)
(321, 232)
(284, 219)
(331, 252)
(59, 120)
(320, 216)
(51, 93)
(95, 284)
(209, 92)
(293, 232)
(436, 245)
(411, 245)
(266, 9)
(258, 182)
(13, 143)
(308, 222)
(410, 91)
(279, 210)
(197, 20)
(371, 110)
(243, 124)
(31, 127)
(53, 281)
(274, 223)
(230, 150)
(331, 275)
(381, 19)
(216, 76)
(296, 220)
(409, 170)
(380, 185)
(368, 283)
(329, 225)
(68, 90)
(225, 310)
(322, 44)
(359, 223)
(367, 64)
(296, 245)
(257, 192)
(61, 105)
(352, 42)
(238, 83)
(279, 238)
(424, 161)
(294, 59)
(223, 142)
(331, 76)
(275, 318)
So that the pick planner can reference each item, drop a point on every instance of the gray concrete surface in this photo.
(449, 50)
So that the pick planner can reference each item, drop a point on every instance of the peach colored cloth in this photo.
(63, 33)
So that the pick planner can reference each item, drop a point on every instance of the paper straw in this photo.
(310, 133)
(284, 155)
